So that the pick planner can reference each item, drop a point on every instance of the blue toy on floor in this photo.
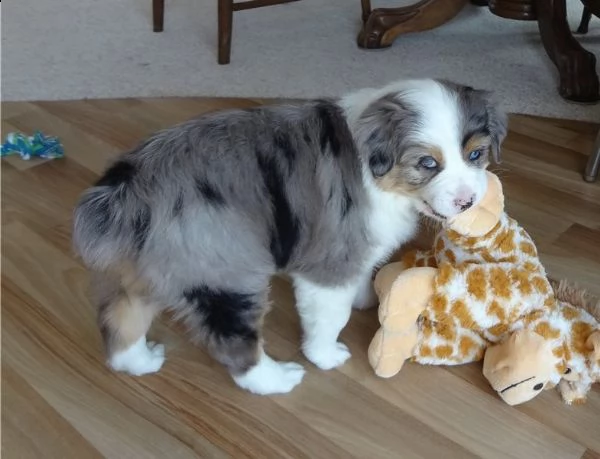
(37, 145)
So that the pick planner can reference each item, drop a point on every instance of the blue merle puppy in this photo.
(200, 216)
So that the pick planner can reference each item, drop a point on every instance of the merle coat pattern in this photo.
(199, 217)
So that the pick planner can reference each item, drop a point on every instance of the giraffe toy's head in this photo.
(520, 367)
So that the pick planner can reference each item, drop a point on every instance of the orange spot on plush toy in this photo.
(489, 298)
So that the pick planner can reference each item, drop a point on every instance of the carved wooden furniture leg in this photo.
(520, 10)
(226, 9)
(381, 26)
(158, 15)
(585, 21)
(593, 164)
(577, 67)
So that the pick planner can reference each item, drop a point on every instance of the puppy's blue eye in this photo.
(428, 162)
(475, 155)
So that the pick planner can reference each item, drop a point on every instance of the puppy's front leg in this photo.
(324, 311)
(365, 298)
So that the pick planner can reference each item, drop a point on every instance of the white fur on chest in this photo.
(391, 221)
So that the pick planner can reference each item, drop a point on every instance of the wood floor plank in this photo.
(581, 241)
(55, 379)
(109, 420)
(50, 277)
(554, 201)
(33, 429)
(191, 400)
(389, 426)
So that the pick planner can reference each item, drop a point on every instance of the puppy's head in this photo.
(432, 141)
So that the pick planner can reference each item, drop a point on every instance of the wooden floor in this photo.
(60, 401)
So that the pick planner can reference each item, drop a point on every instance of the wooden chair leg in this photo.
(225, 30)
(593, 164)
(158, 14)
(585, 21)
(366, 9)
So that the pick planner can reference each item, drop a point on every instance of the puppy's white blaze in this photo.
(270, 377)
(139, 359)
(440, 117)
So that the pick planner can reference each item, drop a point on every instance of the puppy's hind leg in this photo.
(229, 324)
(124, 318)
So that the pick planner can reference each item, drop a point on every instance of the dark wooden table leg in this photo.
(366, 9)
(225, 13)
(381, 26)
(586, 16)
(576, 66)
(158, 15)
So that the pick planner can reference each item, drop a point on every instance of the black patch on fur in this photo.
(178, 206)
(286, 231)
(141, 226)
(329, 117)
(380, 162)
(330, 197)
(284, 144)
(209, 193)
(98, 211)
(121, 172)
(307, 138)
(226, 314)
(347, 202)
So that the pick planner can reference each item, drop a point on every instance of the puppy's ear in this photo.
(497, 123)
(381, 159)
(383, 129)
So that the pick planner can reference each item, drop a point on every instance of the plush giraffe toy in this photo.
(482, 292)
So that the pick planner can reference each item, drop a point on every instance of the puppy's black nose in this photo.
(464, 207)
(464, 204)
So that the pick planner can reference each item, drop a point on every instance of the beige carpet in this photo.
(73, 49)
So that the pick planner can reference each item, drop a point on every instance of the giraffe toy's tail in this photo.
(570, 293)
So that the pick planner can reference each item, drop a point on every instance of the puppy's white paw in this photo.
(139, 359)
(271, 377)
(328, 356)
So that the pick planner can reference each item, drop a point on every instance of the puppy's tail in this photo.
(110, 222)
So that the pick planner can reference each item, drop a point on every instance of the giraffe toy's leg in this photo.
(389, 350)
(403, 299)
